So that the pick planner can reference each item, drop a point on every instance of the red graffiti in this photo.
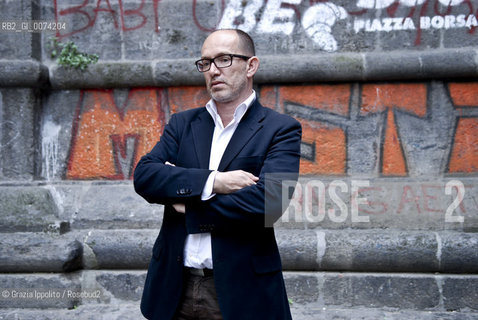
(129, 19)
(199, 25)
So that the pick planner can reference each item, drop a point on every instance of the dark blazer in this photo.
(247, 265)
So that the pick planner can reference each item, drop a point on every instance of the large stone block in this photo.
(119, 249)
(302, 288)
(381, 291)
(459, 252)
(39, 252)
(460, 293)
(104, 205)
(22, 45)
(123, 311)
(380, 251)
(18, 133)
(28, 209)
(39, 290)
(115, 74)
(123, 286)
(22, 73)
(298, 249)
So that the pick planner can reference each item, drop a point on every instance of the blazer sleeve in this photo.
(258, 205)
(165, 184)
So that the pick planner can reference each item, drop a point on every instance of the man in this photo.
(215, 257)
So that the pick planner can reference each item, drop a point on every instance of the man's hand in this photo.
(180, 207)
(231, 181)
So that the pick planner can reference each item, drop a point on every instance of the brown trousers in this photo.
(199, 301)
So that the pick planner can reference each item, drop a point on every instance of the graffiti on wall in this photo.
(88, 13)
(114, 128)
(314, 18)
(111, 132)
(464, 154)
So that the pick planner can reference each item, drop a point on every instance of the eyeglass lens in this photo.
(220, 62)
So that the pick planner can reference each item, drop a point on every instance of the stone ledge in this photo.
(104, 74)
(337, 67)
(306, 290)
(28, 208)
(22, 73)
(73, 205)
(301, 250)
(39, 252)
(61, 207)
(379, 251)
(131, 311)
(322, 67)
(392, 291)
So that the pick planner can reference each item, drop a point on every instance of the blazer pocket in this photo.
(267, 264)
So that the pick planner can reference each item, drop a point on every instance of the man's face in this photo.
(225, 85)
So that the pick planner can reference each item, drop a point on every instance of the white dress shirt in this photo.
(197, 250)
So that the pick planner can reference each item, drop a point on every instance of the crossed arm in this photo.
(239, 195)
(225, 183)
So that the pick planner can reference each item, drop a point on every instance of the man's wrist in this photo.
(208, 190)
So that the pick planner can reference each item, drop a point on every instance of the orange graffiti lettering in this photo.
(109, 137)
(386, 97)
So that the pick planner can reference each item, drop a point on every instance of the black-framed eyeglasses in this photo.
(222, 61)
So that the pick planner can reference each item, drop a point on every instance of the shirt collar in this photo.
(238, 113)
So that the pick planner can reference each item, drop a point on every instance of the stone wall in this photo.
(387, 95)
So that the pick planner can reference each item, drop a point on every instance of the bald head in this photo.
(244, 42)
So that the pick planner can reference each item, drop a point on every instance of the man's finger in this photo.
(251, 176)
(180, 207)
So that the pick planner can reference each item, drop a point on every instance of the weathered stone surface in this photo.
(39, 290)
(167, 29)
(17, 133)
(19, 45)
(22, 73)
(131, 311)
(121, 286)
(104, 205)
(39, 252)
(27, 209)
(176, 72)
(298, 249)
(123, 311)
(307, 250)
(460, 293)
(104, 74)
(320, 67)
(399, 65)
(308, 291)
(381, 291)
(458, 252)
(119, 249)
(393, 203)
(331, 313)
(302, 288)
(379, 250)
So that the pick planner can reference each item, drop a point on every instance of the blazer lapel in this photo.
(203, 129)
(249, 125)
